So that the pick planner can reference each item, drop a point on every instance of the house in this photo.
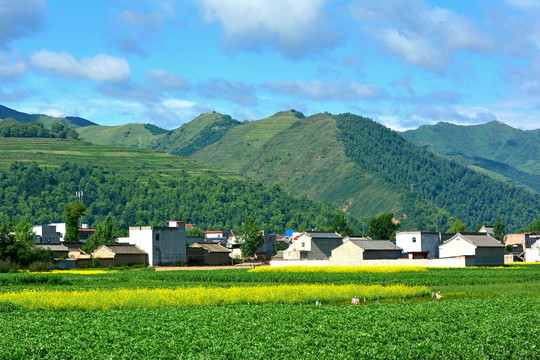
(164, 245)
(216, 236)
(46, 234)
(267, 249)
(421, 244)
(85, 232)
(120, 254)
(356, 249)
(313, 245)
(486, 229)
(520, 243)
(60, 252)
(487, 251)
(76, 253)
(208, 253)
(532, 254)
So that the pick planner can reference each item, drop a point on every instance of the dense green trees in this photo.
(73, 212)
(457, 226)
(39, 195)
(105, 233)
(383, 227)
(37, 129)
(252, 236)
(462, 192)
(498, 229)
(16, 247)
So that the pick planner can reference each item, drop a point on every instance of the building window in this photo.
(413, 239)
(303, 244)
(157, 237)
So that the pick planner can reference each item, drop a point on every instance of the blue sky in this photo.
(401, 63)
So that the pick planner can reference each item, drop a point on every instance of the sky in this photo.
(402, 63)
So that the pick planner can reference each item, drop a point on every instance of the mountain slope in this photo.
(133, 135)
(199, 133)
(239, 145)
(69, 121)
(494, 148)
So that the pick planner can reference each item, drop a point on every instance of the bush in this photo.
(7, 306)
(7, 266)
(179, 263)
(95, 263)
(41, 266)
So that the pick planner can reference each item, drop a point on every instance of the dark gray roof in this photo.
(478, 239)
(211, 247)
(53, 247)
(73, 246)
(124, 249)
(323, 235)
(375, 244)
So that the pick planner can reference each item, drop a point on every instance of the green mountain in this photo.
(366, 169)
(199, 133)
(69, 121)
(39, 176)
(133, 135)
(496, 149)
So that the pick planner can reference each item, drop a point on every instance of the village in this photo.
(170, 246)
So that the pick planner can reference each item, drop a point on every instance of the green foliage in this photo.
(38, 194)
(479, 226)
(462, 192)
(498, 229)
(17, 250)
(252, 236)
(195, 232)
(456, 227)
(105, 233)
(383, 227)
(38, 130)
(73, 212)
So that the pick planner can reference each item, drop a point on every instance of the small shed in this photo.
(354, 250)
(487, 250)
(121, 254)
(205, 253)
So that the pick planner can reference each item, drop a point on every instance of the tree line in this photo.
(37, 130)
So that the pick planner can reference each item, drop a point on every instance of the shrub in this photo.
(41, 266)
(7, 266)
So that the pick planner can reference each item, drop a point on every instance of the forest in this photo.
(464, 193)
(39, 194)
(36, 130)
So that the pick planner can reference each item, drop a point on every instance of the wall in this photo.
(129, 259)
(425, 241)
(486, 256)
(322, 248)
(456, 247)
(459, 261)
(164, 245)
(347, 254)
(142, 237)
(277, 263)
(533, 253)
(381, 254)
(404, 241)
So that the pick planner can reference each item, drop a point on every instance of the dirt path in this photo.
(169, 268)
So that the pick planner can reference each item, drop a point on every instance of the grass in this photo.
(126, 161)
(132, 135)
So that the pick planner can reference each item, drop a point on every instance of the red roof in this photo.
(176, 221)
(86, 229)
(213, 232)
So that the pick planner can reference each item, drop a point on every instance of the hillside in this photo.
(69, 121)
(199, 133)
(125, 161)
(139, 187)
(133, 135)
(239, 145)
(494, 148)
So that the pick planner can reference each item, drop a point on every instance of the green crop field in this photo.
(485, 313)
(125, 161)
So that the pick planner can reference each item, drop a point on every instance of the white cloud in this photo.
(11, 69)
(168, 80)
(231, 90)
(320, 90)
(293, 26)
(133, 17)
(99, 68)
(421, 35)
(19, 18)
(178, 103)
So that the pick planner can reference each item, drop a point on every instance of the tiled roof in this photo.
(478, 239)
(375, 244)
(323, 235)
(124, 249)
(212, 247)
(53, 247)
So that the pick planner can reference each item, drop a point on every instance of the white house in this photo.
(164, 245)
(424, 243)
(532, 254)
(313, 245)
(487, 251)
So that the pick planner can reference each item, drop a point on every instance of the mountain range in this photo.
(427, 177)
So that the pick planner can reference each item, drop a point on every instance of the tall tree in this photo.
(383, 227)
(105, 233)
(339, 225)
(252, 236)
(498, 229)
(456, 227)
(73, 212)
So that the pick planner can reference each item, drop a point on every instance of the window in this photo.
(157, 237)
(414, 239)
(303, 244)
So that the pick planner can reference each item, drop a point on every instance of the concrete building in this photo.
(313, 245)
(46, 234)
(164, 245)
(120, 254)
(355, 250)
(520, 243)
(532, 254)
(487, 250)
(421, 242)
(205, 253)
